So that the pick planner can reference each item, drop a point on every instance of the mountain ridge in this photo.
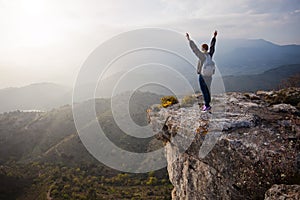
(36, 96)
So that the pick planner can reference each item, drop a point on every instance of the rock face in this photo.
(238, 151)
(283, 192)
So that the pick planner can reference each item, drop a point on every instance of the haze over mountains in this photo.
(71, 70)
(245, 57)
(246, 65)
(52, 136)
(34, 140)
(41, 149)
(268, 80)
(39, 96)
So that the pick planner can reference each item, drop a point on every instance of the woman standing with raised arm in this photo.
(205, 68)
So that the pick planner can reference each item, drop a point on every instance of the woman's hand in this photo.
(188, 36)
(215, 33)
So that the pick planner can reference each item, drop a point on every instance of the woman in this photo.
(204, 80)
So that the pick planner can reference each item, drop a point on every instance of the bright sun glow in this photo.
(44, 37)
(34, 24)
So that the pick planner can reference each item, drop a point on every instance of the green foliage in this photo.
(168, 101)
(151, 174)
(152, 181)
(66, 196)
(63, 182)
(66, 170)
(39, 133)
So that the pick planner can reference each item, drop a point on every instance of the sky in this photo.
(48, 40)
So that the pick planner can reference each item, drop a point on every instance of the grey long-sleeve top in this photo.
(200, 54)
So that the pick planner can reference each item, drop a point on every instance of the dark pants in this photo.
(205, 82)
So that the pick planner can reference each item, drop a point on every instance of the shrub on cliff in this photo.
(168, 101)
(188, 101)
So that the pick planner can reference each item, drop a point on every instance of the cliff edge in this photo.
(246, 145)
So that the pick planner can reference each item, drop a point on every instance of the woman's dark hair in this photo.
(205, 46)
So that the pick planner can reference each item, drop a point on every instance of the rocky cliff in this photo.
(248, 143)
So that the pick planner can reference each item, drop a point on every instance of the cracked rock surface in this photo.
(248, 143)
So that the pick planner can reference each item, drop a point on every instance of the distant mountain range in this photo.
(45, 96)
(269, 80)
(39, 96)
(245, 65)
(244, 57)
